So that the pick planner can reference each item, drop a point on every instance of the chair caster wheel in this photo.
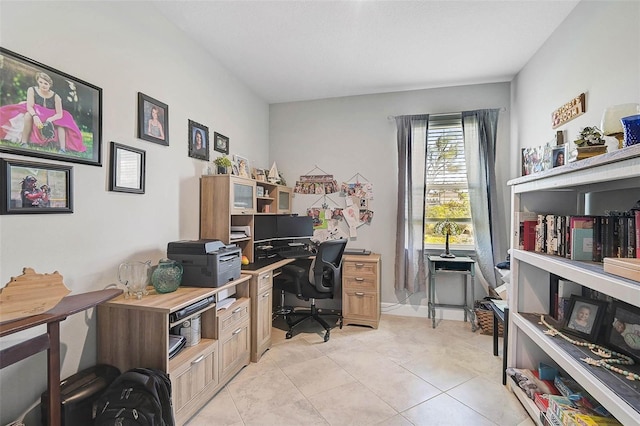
(326, 337)
(289, 335)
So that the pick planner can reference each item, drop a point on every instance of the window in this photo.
(446, 191)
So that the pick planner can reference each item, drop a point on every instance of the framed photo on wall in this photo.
(35, 187)
(47, 113)
(221, 143)
(584, 317)
(127, 169)
(153, 120)
(198, 141)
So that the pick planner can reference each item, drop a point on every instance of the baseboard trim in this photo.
(421, 311)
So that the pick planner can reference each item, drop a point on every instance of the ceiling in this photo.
(301, 50)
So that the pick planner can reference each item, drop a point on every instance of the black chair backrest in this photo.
(327, 267)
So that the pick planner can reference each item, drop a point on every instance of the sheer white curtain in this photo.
(410, 271)
(479, 129)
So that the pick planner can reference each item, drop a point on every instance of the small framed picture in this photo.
(127, 169)
(623, 333)
(153, 120)
(220, 143)
(559, 156)
(584, 317)
(242, 166)
(261, 175)
(35, 187)
(198, 141)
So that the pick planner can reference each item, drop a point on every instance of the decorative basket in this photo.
(485, 321)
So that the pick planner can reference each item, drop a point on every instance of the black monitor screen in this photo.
(295, 226)
(264, 228)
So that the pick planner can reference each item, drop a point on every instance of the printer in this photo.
(206, 263)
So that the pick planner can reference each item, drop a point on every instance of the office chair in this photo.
(311, 279)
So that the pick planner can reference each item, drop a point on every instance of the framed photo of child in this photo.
(623, 333)
(584, 317)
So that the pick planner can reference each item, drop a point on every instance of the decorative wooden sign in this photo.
(569, 111)
(31, 294)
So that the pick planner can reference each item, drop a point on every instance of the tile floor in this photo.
(403, 373)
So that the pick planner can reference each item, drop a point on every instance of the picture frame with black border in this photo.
(595, 311)
(559, 156)
(623, 331)
(198, 148)
(127, 172)
(153, 120)
(76, 137)
(221, 143)
(35, 188)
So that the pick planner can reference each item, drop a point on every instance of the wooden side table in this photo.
(458, 265)
(50, 341)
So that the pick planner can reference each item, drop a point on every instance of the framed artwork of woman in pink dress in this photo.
(47, 113)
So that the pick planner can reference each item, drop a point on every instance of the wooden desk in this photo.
(50, 341)
(457, 265)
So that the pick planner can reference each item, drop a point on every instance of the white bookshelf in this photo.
(583, 187)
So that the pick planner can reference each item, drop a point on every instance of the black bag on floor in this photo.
(78, 394)
(140, 396)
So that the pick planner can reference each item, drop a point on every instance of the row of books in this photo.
(581, 237)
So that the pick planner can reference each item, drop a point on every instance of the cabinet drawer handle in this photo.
(265, 277)
(265, 295)
(237, 331)
(359, 265)
(236, 310)
(197, 360)
(359, 279)
(359, 293)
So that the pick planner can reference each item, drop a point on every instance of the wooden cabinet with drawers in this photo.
(135, 333)
(361, 290)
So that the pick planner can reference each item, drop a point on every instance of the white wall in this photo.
(596, 50)
(124, 48)
(345, 136)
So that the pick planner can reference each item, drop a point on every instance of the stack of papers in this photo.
(225, 303)
(500, 304)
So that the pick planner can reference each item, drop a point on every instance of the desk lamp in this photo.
(611, 124)
(446, 227)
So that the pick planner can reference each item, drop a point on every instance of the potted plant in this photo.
(222, 163)
(590, 142)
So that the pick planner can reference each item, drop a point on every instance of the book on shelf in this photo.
(541, 234)
(521, 218)
(581, 244)
(637, 229)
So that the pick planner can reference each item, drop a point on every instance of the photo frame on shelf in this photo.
(559, 156)
(198, 141)
(220, 143)
(127, 173)
(241, 166)
(30, 188)
(584, 317)
(623, 332)
(24, 130)
(153, 120)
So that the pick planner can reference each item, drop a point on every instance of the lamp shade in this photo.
(611, 123)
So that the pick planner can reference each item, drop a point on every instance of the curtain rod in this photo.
(393, 117)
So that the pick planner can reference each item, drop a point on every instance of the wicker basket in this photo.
(485, 321)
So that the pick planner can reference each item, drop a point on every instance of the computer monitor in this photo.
(264, 228)
(290, 227)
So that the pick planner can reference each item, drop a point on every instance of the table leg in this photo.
(466, 302)
(53, 373)
(505, 336)
(495, 334)
(473, 299)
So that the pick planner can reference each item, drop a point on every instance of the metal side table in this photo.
(457, 265)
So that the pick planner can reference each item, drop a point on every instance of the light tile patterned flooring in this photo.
(403, 373)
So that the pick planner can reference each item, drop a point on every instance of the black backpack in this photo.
(140, 396)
